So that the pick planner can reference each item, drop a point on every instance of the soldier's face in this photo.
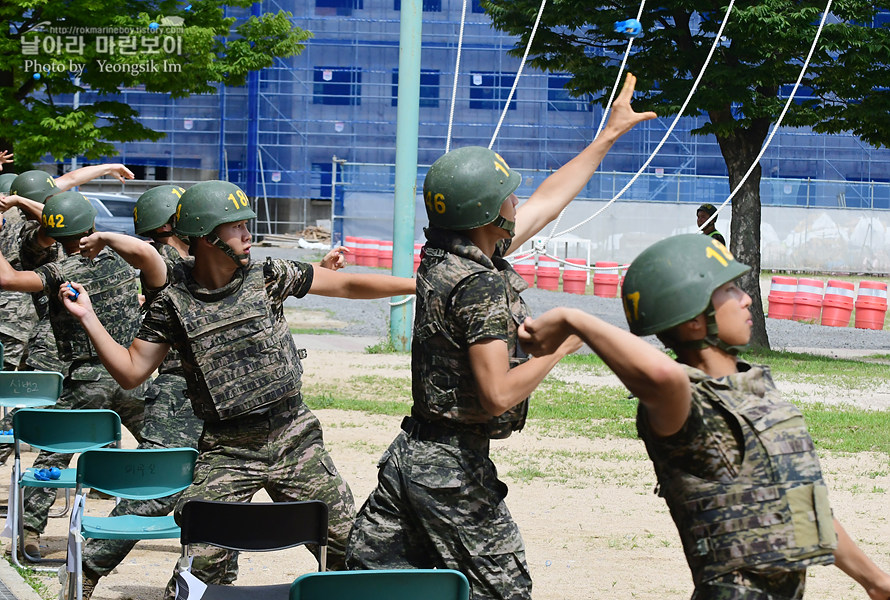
(236, 236)
(701, 216)
(733, 317)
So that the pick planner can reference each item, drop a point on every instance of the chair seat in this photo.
(66, 480)
(7, 439)
(247, 592)
(130, 527)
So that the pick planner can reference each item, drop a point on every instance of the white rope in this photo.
(531, 38)
(670, 130)
(405, 300)
(772, 134)
(608, 107)
(460, 43)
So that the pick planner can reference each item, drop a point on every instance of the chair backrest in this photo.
(407, 584)
(19, 389)
(254, 526)
(139, 474)
(66, 431)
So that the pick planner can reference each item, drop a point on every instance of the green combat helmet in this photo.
(33, 185)
(208, 204)
(672, 281)
(466, 187)
(6, 180)
(156, 207)
(67, 214)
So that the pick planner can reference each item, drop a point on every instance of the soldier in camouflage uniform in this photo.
(224, 314)
(66, 217)
(17, 315)
(169, 419)
(734, 461)
(439, 502)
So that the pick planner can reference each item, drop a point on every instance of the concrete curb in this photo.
(15, 583)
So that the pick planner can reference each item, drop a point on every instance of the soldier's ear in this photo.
(693, 329)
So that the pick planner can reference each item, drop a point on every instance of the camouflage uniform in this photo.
(243, 375)
(744, 486)
(439, 502)
(17, 316)
(113, 291)
(169, 423)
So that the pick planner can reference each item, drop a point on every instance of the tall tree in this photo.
(54, 47)
(764, 46)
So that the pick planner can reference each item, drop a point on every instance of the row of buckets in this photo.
(806, 299)
(545, 273)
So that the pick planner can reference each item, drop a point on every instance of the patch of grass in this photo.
(847, 429)
(369, 393)
(581, 410)
(310, 331)
(383, 347)
(797, 366)
(38, 581)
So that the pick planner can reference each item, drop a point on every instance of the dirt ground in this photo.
(592, 525)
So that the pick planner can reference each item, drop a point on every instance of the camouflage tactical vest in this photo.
(111, 284)
(443, 384)
(172, 363)
(775, 515)
(243, 358)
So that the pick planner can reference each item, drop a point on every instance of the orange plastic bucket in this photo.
(367, 252)
(808, 300)
(525, 266)
(574, 276)
(871, 305)
(384, 254)
(837, 304)
(781, 297)
(548, 273)
(605, 279)
(417, 250)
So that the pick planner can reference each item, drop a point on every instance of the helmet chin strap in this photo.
(506, 225)
(711, 337)
(214, 239)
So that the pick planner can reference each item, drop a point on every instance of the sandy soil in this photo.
(592, 525)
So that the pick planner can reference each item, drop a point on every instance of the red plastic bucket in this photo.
(417, 249)
(525, 266)
(781, 297)
(574, 276)
(350, 243)
(837, 305)
(871, 305)
(384, 254)
(605, 279)
(548, 273)
(366, 252)
(808, 300)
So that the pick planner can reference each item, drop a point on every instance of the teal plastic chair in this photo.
(141, 474)
(29, 389)
(62, 432)
(398, 584)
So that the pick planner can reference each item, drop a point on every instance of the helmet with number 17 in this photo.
(672, 281)
(205, 206)
(465, 188)
(156, 207)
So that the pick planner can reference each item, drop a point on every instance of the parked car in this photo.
(114, 212)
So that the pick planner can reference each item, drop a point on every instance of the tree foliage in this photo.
(175, 49)
(763, 48)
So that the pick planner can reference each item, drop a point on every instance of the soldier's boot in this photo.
(32, 543)
(90, 581)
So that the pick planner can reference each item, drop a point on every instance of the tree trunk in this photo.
(739, 150)
(7, 80)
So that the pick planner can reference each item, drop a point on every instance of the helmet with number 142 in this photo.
(205, 206)
(466, 187)
(68, 214)
(672, 281)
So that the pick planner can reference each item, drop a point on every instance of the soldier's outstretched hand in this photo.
(335, 259)
(92, 245)
(5, 157)
(622, 117)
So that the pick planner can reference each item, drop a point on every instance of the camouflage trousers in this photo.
(86, 386)
(13, 350)
(746, 585)
(282, 452)
(169, 423)
(43, 354)
(441, 506)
